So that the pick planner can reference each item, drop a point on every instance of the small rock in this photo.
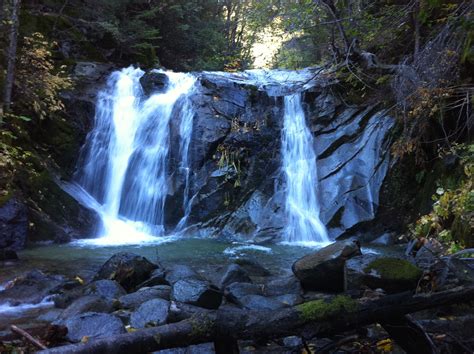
(292, 341)
(235, 291)
(289, 299)
(180, 272)
(253, 267)
(32, 288)
(127, 269)
(282, 286)
(150, 313)
(323, 270)
(89, 303)
(93, 325)
(109, 289)
(258, 302)
(157, 277)
(133, 300)
(234, 274)
(197, 292)
(154, 82)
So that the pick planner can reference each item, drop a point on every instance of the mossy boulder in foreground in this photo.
(389, 273)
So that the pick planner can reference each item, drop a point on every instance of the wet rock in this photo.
(93, 325)
(234, 274)
(197, 292)
(323, 270)
(180, 272)
(154, 82)
(388, 273)
(253, 267)
(13, 225)
(150, 313)
(292, 342)
(108, 289)
(282, 286)
(289, 299)
(235, 291)
(32, 288)
(157, 277)
(89, 303)
(259, 303)
(133, 300)
(128, 269)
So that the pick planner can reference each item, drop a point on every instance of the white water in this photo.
(125, 162)
(299, 166)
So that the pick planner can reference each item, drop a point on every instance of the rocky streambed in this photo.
(129, 292)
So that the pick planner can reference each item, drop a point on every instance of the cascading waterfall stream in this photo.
(299, 166)
(126, 154)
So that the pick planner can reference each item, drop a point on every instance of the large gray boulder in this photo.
(323, 269)
(93, 325)
(151, 313)
(128, 269)
(197, 292)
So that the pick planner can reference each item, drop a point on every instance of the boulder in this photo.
(133, 300)
(157, 277)
(289, 299)
(197, 292)
(253, 267)
(388, 273)
(93, 325)
(88, 303)
(323, 270)
(31, 288)
(128, 269)
(108, 289)
(13, 225)
(260, 303)
(154, 82)
(151, 313)
(180, 272)
(234, 274)
(235, 291)
(282, 285)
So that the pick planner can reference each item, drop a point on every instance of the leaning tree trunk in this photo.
(11, 54)
(312, 318)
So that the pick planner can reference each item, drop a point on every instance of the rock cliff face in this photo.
(237, 182)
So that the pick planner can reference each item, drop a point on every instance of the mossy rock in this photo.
(320, 309)
(389, 273)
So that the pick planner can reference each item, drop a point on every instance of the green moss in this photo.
(321, 309)
(395, 269)
(201, 326)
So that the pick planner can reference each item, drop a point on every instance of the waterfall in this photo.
(299, 166)
(125, 156)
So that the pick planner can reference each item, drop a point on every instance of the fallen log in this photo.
(314, 318)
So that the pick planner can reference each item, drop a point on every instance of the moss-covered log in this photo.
(316, 317)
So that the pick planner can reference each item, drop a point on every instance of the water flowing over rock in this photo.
(258, 155)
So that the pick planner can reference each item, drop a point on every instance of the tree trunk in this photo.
(225, 325)
(11, 54)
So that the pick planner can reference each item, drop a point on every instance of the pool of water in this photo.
(84, 259)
